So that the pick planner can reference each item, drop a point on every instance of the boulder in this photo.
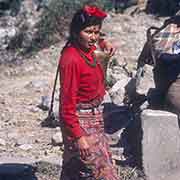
(160, 145)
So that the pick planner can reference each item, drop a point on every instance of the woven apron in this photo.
(97, 166)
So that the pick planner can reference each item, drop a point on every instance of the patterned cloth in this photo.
(165, 75)
(97, 166)
(164, 41)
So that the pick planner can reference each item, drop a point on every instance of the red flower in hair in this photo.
(94, 11)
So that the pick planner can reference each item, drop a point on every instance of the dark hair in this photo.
(173, 20)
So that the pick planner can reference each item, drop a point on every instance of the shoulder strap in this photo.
(151, 32)
(53, 92)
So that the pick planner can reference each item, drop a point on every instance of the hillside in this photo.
(22, 87)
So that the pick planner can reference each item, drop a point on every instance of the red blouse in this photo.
(79, 83)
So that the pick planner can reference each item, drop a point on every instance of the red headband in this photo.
(94, 11)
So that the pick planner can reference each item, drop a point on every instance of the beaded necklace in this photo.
(93, 64)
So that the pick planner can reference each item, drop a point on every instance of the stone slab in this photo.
(160, 145)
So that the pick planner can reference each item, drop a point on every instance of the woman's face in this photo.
(89, 36)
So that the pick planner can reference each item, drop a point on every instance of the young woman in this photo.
(86, 151)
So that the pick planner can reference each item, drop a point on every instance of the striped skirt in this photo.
(97, 166)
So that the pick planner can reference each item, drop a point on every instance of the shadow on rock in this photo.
(116, 117)
(14, 171)
(51, 121)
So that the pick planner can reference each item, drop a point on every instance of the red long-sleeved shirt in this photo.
(79, 82)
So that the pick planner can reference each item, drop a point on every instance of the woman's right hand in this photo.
(83, 146)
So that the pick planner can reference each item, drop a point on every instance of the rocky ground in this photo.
(21, 135)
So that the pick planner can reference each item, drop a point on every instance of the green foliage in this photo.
(113, 62)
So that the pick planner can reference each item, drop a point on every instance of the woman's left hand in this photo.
(109, 48)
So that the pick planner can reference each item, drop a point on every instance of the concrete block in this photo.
(160, 145)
